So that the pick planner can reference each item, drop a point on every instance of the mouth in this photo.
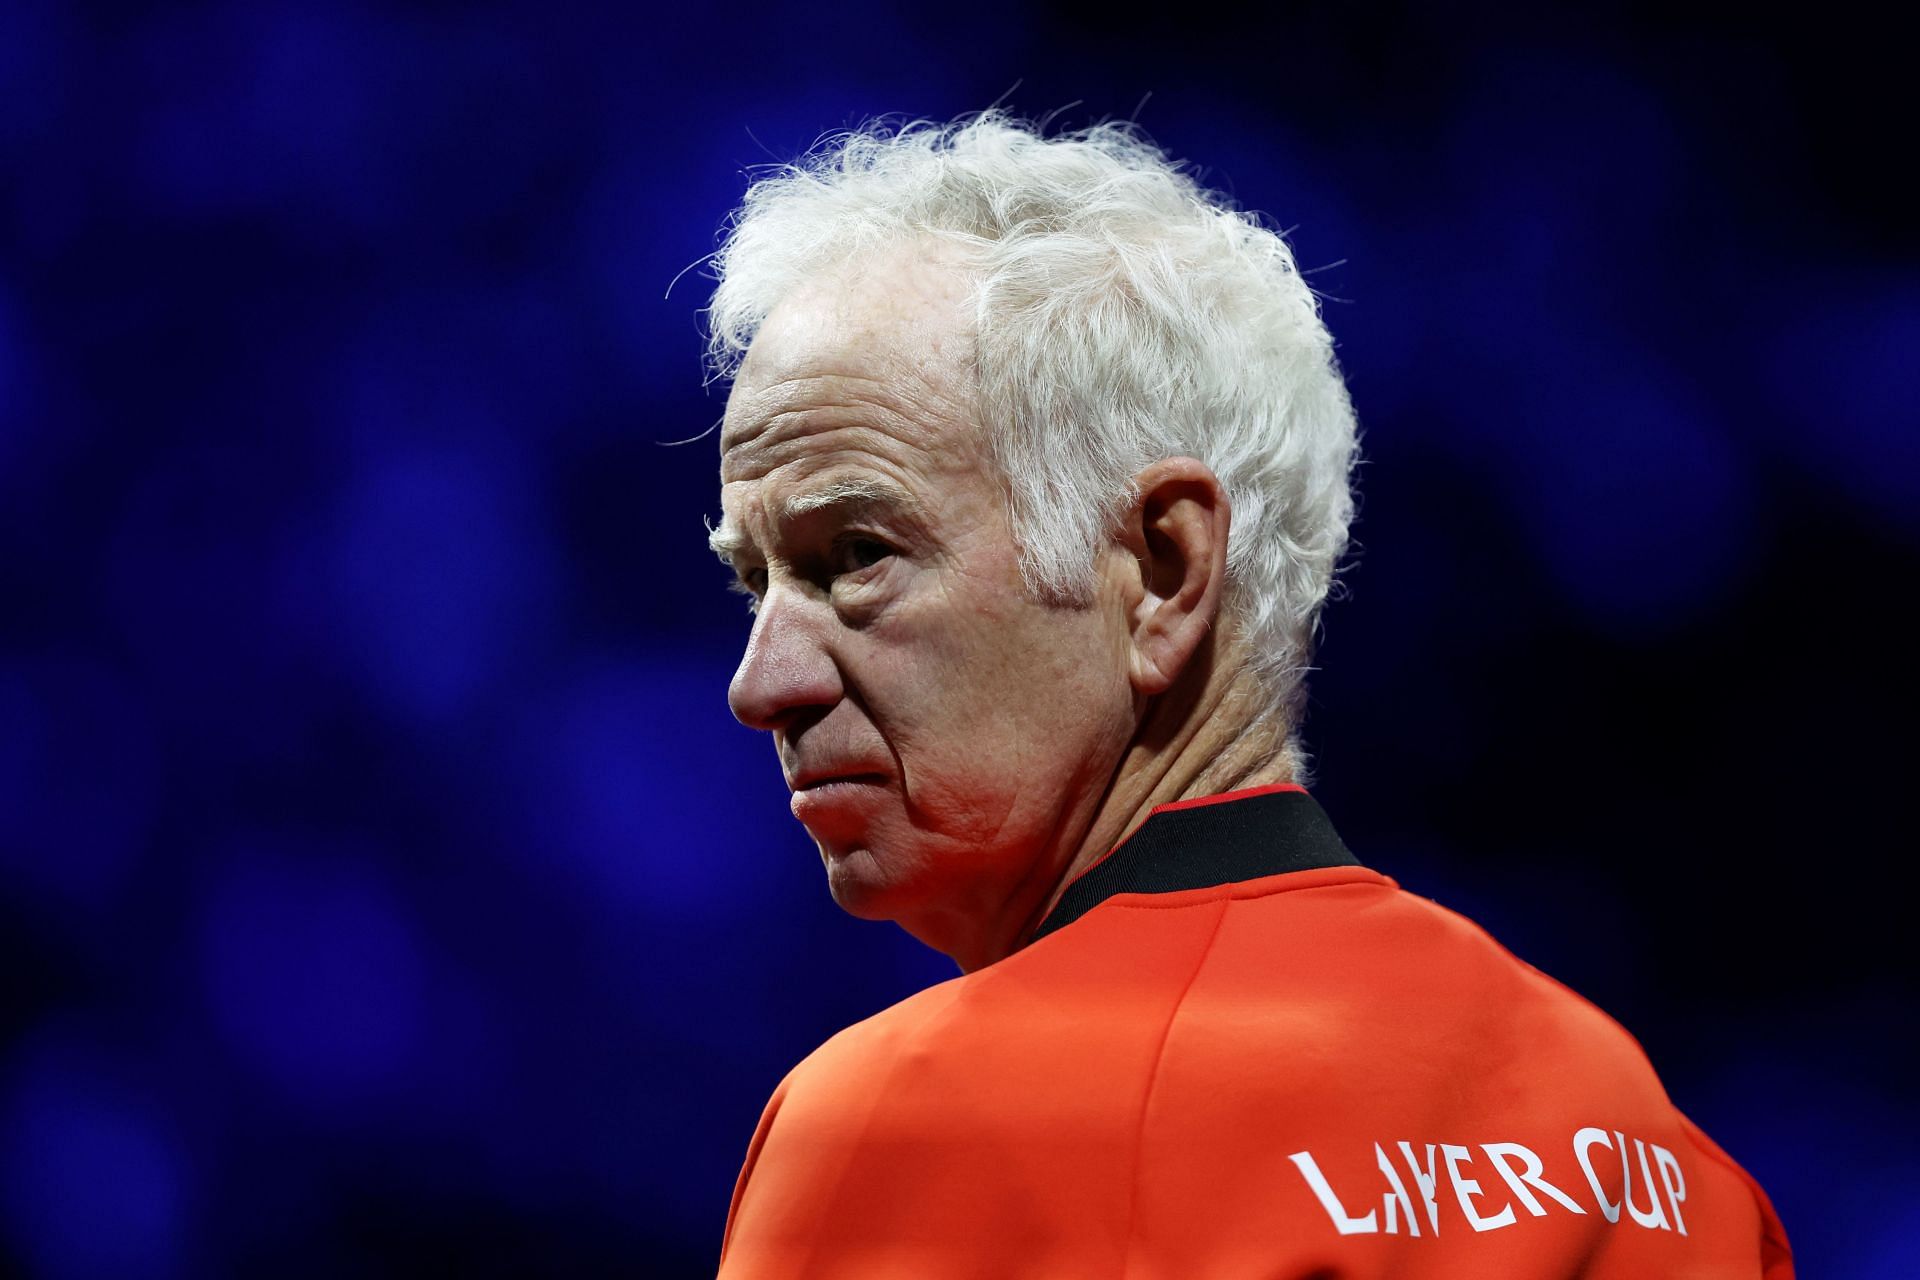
(836, 808)
(818, 781)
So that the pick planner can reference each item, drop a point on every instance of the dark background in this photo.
(384, 887)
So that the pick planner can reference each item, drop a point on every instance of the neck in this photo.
(1223, 741)
(1210, 733)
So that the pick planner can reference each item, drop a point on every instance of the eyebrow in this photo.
(855, 493)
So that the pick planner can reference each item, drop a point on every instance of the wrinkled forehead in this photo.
(896, 329)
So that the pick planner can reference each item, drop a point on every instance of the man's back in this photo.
(1198, 1072)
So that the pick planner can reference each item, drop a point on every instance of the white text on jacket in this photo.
(1612, 1186)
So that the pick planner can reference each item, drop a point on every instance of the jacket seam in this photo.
(1153, 1080)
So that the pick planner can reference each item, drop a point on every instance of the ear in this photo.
(1176, 528)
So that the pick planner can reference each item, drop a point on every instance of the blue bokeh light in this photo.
(1842, 367)
(95, 1184)
(313, 970)
(432, 579)
(622, 771)
(1638, 501)
(79, 781)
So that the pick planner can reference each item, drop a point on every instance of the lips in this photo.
(837, 805)
(812, 781)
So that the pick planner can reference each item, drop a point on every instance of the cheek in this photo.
(974, 678)
(1029, 683)
(1069, 682)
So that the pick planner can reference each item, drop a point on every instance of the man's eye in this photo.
(856, 553)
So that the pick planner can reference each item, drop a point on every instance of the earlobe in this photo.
(1177, 529)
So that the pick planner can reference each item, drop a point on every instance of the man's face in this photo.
(945, 735)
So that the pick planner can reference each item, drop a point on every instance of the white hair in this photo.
(1123, 314)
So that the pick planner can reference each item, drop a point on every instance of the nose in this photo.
(786, 668)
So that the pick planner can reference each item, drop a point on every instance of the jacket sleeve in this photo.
(1776, 1256)
(754, 1148)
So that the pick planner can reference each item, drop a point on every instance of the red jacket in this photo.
(1231, 1051)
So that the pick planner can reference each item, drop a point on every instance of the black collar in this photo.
(1215, 840)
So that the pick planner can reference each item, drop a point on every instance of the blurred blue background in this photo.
(384, 886)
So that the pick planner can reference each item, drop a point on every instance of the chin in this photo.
(862, 887)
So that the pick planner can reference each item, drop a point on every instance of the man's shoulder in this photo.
(1341, 993)
(1476, 966)
(1385, 981)
(1330, 992)
(864, 1046)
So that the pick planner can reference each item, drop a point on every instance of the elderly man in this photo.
(1035, 472)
